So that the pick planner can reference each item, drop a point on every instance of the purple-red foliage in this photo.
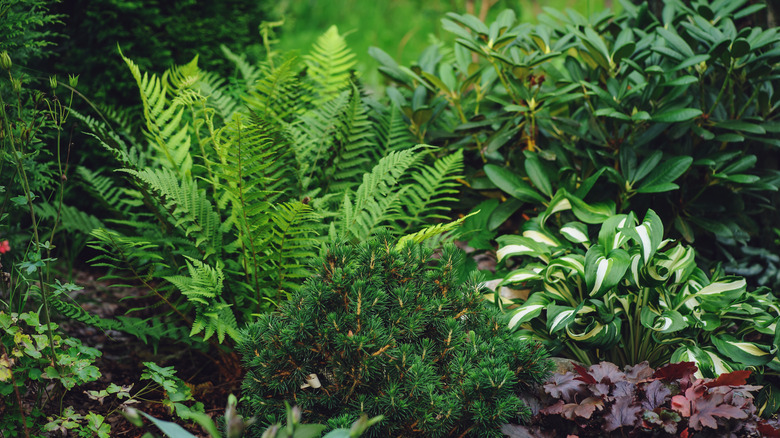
(638, 401)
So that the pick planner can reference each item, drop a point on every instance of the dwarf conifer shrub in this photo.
(388, 329)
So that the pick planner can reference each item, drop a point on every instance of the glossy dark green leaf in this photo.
(660, 178)
(677, 115)
(739, 48)
(512, 184)
(503, 212)
(537, 173)
(676, 42)
(739, 125)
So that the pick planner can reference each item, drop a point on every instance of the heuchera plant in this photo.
(639, 401)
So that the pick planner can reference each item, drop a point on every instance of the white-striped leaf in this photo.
(719, 294)
(528, 311)
(648, 235)
(691, 353)
(572, 264)
(576, 232)
(589, 331)
(518, 245)
(558, 317)
(742, 352)
(559, 291)
(668, 321)
(559, 202)
(542, 237)
(610, 236)
(521, 275)
(602, 273)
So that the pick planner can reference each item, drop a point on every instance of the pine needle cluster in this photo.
(390, 330)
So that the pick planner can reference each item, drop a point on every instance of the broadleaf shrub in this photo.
(615, 112)
(382, 330)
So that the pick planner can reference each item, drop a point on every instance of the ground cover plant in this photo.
(672, 401)
(383, 328)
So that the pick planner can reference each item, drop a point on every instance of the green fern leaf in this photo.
(203, 284)
(431, 231)
(164, 127)
(278, 94)
(430, 188)
(187, 204)
(330, 64)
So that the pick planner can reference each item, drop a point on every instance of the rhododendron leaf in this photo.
(623, 413)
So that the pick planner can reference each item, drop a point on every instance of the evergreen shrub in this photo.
(390, 329)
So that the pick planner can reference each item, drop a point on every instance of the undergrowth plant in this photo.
(384, 328)
(616, 112)
(629, 296)
(216, 210)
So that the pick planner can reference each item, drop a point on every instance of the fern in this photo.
(329, 64)
(376, 200)
(164, 127)
(279, 94)
(187, 204)
(292, 243)
(355, 147)
(217, 319)
(249, 73)
(432, 231)
(429, 188)
(202, 285)
(392, 131)
(71, 219)
(217, 95)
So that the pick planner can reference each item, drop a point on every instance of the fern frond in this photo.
(278, 93)
(377, 199)
(431, 188)
(202, 285)
(392, 130)
(355, 147)
(166, 131)
(431, 231)
(218, 96)
(293, 244)
(249, 73)
(315, 135)
(104, 190)
(330, 64)
(218, 319)
(187, 204)
(71, 219)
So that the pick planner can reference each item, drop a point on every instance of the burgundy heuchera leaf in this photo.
(707, 408)
(623, 413)
(675, 371)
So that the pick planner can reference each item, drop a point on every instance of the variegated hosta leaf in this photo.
(559, 317)
(559, 291)
(589, 330)
(719, 294)
(710, 363)
(542, 237)
(678, 261)
(531, 309)
(603, 272)
(522, 275)
(572, 266)
(648, 235)
(559, 202)
(610, 235)
(576, 232)
(668, 321)
(741, 352)
(518, 245)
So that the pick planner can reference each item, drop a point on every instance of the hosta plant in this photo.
(603, 401)
(386, 329)
(629, 296)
